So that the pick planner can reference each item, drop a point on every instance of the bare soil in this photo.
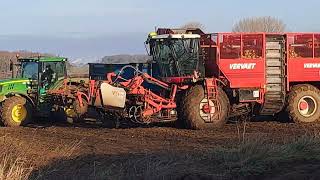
(101, 146)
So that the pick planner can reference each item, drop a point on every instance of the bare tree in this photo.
(193, 24)
(259, 24)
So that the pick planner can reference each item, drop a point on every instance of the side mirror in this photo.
(11, 66)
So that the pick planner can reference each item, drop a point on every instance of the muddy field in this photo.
(87, 148)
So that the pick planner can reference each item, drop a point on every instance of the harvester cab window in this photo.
(162, 55)
(230, 46)
(176, 56)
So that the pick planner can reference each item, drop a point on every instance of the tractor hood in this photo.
(14, 81)
(14, 86)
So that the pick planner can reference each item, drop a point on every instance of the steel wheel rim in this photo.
(19, 113)
(207, 116)
(311, 106)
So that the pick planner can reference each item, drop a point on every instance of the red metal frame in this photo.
(212, 95)
(153, 103)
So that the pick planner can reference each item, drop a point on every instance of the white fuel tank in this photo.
(113, 96)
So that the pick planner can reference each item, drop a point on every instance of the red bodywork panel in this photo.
(241, 57)
(253, 77)
(302, 70)
(303, 57)
(237, 57)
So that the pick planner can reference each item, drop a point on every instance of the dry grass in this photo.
(16, 161)
(14, 164)
(251, 157)
(64, 151)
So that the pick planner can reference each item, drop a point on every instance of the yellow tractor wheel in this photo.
(16, 111)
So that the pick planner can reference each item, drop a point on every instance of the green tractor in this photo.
(25, 95)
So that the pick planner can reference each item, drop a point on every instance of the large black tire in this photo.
(180, 122)
(16, 111)
(189, 110)
(306, 93)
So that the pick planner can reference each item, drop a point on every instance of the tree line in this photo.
(249, 24)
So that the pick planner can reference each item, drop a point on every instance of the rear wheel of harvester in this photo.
(16, 111)
(303, 104)
(196, 113)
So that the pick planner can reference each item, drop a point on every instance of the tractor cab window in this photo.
(176, 56)
(29, 70)
(52, 71)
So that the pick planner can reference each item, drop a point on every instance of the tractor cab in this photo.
(43, 73)
(25, 95)
(176, 55)
(47, 71)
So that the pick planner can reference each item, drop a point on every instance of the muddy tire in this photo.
(180, 122)
(16, 111)
(80, 110)
(304, 104)
(190, 110)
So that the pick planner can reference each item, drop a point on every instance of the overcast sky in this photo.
(93, 28)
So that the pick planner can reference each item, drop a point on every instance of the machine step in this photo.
(274, 80)
(276, 71)
(273, 45)
(274, 88)
(273, 55)
(273, 63)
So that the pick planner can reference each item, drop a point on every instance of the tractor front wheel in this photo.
(198, 113)
(304, 104)
(16, 111)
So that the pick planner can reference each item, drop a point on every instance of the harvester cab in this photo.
(177, 55)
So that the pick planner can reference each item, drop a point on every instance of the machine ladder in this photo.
(274, 97)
